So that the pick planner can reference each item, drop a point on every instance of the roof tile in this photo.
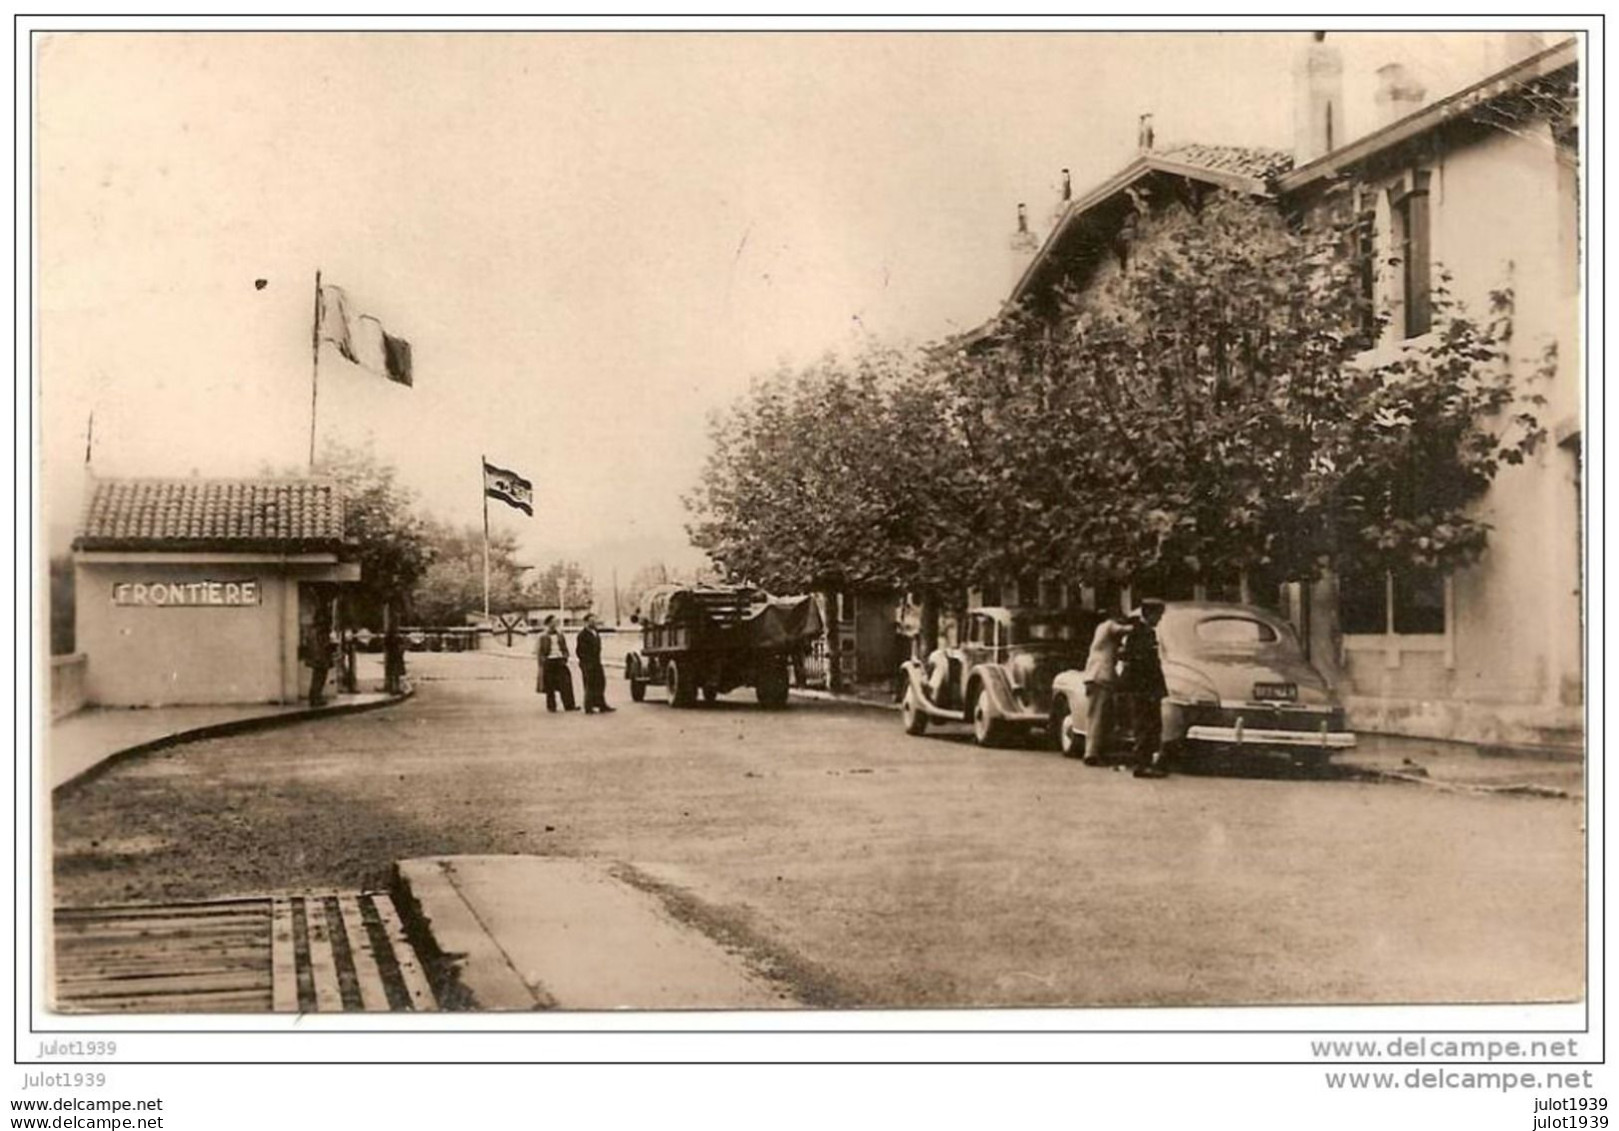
(213, 514)
(1243, 160)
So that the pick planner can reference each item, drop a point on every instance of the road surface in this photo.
(868, 868)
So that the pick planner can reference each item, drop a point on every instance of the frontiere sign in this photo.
(186, 594)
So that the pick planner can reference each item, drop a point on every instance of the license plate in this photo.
(1276, 692)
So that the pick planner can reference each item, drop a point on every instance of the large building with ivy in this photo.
(1479, 187)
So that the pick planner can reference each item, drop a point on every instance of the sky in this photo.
(591, 241)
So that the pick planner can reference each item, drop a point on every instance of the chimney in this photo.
(1318, 100)
(1398, 93)
(1144, 132)
(1022, 246)
(1065, 197)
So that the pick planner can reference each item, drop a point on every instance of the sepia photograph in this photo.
(646, 525)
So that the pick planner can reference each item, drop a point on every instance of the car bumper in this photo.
(1260, 736)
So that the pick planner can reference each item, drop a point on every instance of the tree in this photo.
(846, 472)
(392, 538)
(562, 584)
(452, 586)
(1212, 409)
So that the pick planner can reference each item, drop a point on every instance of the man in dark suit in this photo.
(590, 667)
(555, 678)
(318, 648)
(1142, 682)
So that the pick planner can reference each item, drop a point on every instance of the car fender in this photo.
(992, 682)
(1070, 685)
(914, 677)
(633, 665)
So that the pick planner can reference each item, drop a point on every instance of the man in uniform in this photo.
(1142, 683)
(555, 679)
(318, 649)
(590, 667)
(937, 669)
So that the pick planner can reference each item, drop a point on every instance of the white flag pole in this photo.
(314, 376)
(483, 475)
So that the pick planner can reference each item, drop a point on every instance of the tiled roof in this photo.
(1243, 160)
(286, 515)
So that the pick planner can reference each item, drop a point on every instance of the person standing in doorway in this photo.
(590, 667)
(555, 679)
(318, 649)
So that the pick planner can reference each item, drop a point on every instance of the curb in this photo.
(1508, 789)
(467, 963)
(224, 730)
(817, 696)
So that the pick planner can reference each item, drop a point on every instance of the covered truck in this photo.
(708, 640)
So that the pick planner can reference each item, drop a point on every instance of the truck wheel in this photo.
(772, 686)
(912, 714)
(681, 691)
(635, 672)
(987, 729)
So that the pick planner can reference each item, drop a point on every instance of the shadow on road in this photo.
(744, 703)
(1223, 764)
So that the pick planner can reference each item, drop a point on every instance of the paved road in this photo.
(870, 868)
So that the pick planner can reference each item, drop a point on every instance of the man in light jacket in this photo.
(1101, 684)
(554, 677)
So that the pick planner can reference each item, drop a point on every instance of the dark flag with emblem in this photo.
(509, 487)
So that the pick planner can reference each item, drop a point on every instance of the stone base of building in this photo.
(1555, 732)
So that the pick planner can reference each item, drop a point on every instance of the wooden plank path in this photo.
(310, 952)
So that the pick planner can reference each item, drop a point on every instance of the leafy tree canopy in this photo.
(393, 538)
(1209, 405)
(846, 471)
(452, 586)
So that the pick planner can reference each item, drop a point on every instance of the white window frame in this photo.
(1395, 645)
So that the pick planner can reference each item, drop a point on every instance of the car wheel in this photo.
(681, 691)
(987, 729)
(912, 714)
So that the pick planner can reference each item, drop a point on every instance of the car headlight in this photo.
(1021, 670)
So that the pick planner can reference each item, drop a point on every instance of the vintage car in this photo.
(1000, 676)
(1237, 678)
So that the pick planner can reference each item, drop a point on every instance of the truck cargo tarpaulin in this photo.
(747, 618)
(784, 624)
